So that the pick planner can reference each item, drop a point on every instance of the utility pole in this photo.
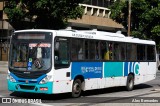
(129, 17)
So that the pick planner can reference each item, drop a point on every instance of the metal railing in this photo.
(96, 11)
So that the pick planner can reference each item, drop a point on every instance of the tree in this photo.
(145, 18)
(44, 14)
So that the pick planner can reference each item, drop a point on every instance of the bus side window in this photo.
(151, 52)
(97, 50)
(56, 48)
(61, 52)
(107, 52)
(92, 49)
(116, 51)
(77, 49)
(74, 53)
(86, 49)
(131, 52)
(141, 52)
(80, 54)
(122, 51)
(110, 51)
(103, 49)
(80, 49)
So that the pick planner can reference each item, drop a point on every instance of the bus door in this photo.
(61, 58)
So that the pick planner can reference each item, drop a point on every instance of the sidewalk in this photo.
(3, 67)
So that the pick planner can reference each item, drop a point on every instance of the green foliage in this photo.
(45, 14)
(145, 18)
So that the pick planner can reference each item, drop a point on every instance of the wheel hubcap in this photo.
(76, 88)
(130, 84)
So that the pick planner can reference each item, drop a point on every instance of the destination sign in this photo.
(40, 45)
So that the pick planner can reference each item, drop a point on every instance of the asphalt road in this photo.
(109, 96)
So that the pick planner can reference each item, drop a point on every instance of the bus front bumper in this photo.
(32, 88)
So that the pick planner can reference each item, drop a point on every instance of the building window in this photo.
(89, 2)
(94, 2)
(100, 3)
(1, 15)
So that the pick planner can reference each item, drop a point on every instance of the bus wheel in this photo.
(76, 88)
(130, 82)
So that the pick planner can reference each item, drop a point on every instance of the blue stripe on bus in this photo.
(87, 69)
(130, 67)
(111, 69)
(125, 68)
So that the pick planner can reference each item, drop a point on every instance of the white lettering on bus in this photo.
(82, 36)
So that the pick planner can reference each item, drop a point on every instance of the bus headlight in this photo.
(9, 77)
(45, 80)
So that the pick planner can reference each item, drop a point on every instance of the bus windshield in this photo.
(30, 52)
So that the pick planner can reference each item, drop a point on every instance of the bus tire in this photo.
(76, 88)
(130, 82)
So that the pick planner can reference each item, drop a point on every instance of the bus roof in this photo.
(92, 34)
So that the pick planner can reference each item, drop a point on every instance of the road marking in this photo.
(41, 104)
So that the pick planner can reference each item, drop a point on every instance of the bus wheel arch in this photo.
(78, 86)
(130, 82)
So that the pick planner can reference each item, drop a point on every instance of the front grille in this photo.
(24, 81)
(32, 75)
(21, 80)
(27, 87)
(32, 81)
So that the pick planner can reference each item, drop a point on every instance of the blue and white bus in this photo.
(60, 61)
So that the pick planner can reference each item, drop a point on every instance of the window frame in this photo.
(68, 46)
(153, 53)
(99, 51)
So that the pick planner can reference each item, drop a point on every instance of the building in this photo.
(5, 32)
(96, 17)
